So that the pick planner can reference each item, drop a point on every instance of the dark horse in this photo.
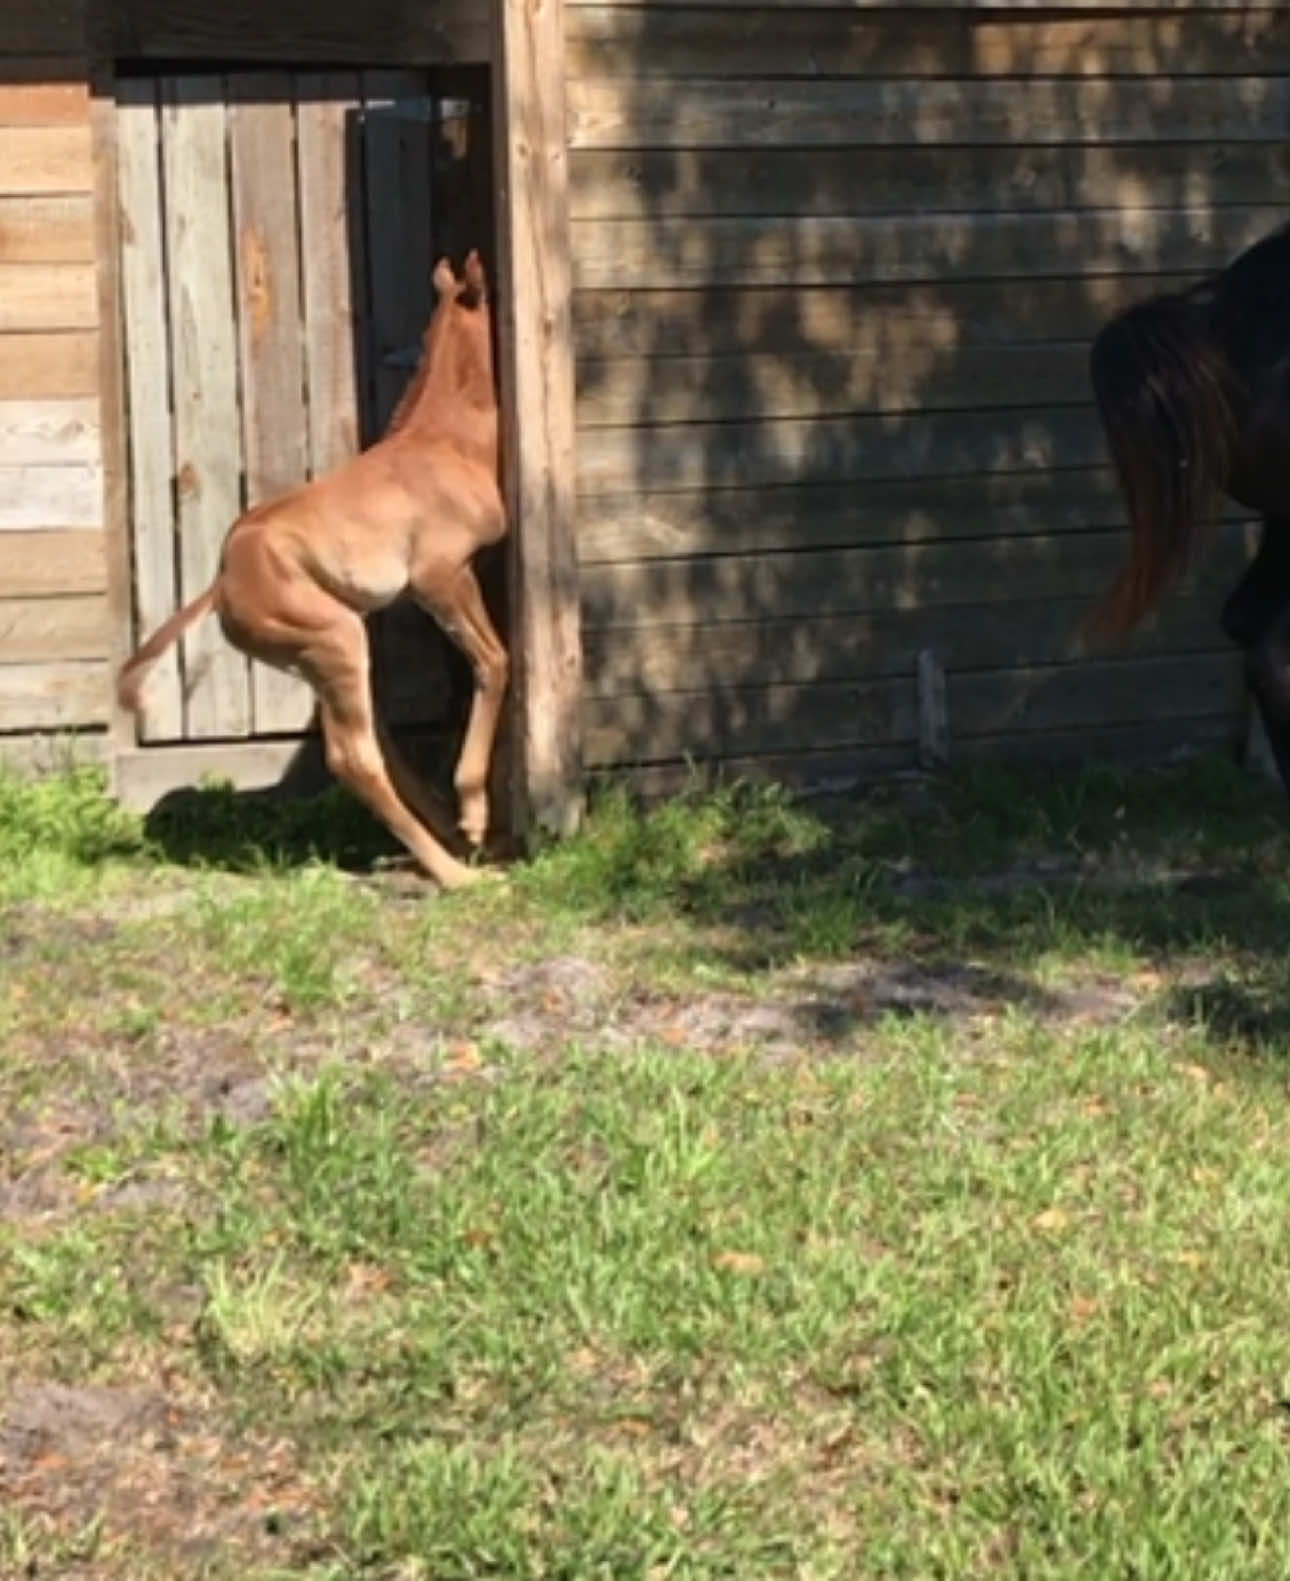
(1193, 389)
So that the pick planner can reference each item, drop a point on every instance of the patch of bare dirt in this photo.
(828, 1007)
(151, 1470)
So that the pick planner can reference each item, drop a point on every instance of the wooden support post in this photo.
(933, 714)
(121, 726)
(535, 369)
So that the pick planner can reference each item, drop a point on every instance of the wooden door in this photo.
(278, 230)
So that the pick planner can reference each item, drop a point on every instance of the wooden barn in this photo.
(795, 305)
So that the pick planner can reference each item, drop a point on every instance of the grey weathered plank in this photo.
(890, 319)
(144, 295)
(52, 696)
(930, 377)
(878, 643)
(49, 433)
(275, 438)
(51, 496)
(208, 449)
(884, 712)
(836, 449)
(791, 112)
(734, 521)
(327, 116)
(653, 183)
(651, 254)
(849, 580)
(607, 40)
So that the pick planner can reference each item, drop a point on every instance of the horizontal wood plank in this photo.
(735, 521)
(48, 296)
(822, 772)
(289, 31)
(49, 433)
(50, 496)
(37, 755)
(890, 319)
(39, 98)
(850, 580)
(621, 661)
(982, 6)
(45, 159)
(714, 182)
(47, 230)
(650, 254)
(791, 112)
(836, 449)
(41, 629)
(39, 366)
(885, 712)
(45, 564)
(607, 40)
(819, 384)
(55, 696)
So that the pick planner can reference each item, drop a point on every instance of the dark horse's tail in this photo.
(1166, 396)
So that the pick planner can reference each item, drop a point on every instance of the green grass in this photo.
(998, 1291)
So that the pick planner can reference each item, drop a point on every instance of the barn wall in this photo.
(54, 637)
(836, 271)
(56, 625)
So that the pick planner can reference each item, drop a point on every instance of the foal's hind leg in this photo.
(337, 665)
(458, 606)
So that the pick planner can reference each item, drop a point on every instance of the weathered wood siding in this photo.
(54, 635)
(836, 271)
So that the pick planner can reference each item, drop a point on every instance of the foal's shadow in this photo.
(305, 818)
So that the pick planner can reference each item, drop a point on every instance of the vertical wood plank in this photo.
(103, 135)
(146, 352)
(204, 348)
(537, 389)
(267, 269)
(330, 191)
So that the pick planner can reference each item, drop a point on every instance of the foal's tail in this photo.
(134, 672)
(1166, 396)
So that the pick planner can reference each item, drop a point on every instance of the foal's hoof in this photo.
(459, 876)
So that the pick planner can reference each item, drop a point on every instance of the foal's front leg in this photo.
(459, 608)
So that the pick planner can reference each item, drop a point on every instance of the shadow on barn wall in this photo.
(838, 274)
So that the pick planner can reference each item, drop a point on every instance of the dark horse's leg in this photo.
(1257, 616)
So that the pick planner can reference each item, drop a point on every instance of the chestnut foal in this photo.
(298, 574)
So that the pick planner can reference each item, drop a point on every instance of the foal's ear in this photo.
(445, 281)
(476, 279)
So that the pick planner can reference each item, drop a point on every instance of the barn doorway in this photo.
(277, 233)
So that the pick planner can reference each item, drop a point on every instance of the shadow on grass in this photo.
(995, 868)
